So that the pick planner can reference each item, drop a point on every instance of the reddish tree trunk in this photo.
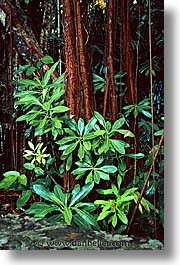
(110, 83)
(73, 82)
(126, 44)
(88, 111)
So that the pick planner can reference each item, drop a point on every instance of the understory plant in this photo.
(93, 153)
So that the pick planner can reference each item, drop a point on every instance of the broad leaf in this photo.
(67, 215)
(82, 193)
(117, 146)
(25, 196)
(108, 169)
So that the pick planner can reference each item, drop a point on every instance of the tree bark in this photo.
(110, 83)
(88, 111)
(127, 50)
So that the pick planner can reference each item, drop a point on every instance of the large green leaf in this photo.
(59, 193)
(7, 182)
(114, 220)
(118, 124)
(11, 174)
(82, 193)
(81, 126)
(80, 222)
(116, 144)
(100, 118)
(137, 156)
(59, 109)
(108, 169)
(80, 170)
(25, 196)
(70, 148)
(87, 217)
(103, 215)
(103, 175)
(29, 166)
(22, 179)
(122, 217)
(65, 140)
(47, 195)
(87, 206)
(48, 74)
(47, 59)
(67, 213)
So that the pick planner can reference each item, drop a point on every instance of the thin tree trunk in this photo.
(127, 50)
(110, 83)
(82, 61)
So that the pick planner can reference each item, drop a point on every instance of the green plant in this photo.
(142, 107)
(65, 206)
(42, 102)
(94, 171)
(117, 207)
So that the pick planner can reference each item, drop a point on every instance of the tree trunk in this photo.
(110, 83)
(127, 50)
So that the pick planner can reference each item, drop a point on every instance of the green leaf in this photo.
(75, 191)
(89, 177)
(47, 195)
(22, 179)
(47, 59)
(81, 151)
(99, 132)
(59, 109)
(90, 125)
(67, 215)
(126, 133)
(69, 162)
(39, 207)
(137, 156)
(25, 196)
(108, 169)
(70, 148)
(80, 125)
(80, 222)
(114, 220)
(49, 73)
(146, 113)
(80, 170)
(103, 215)
(66, 140)
(11, 174)
(82, 193)
(96, 177)
(7, 182)
(87, 145)
(100, 118)
(159, 133)
(87, 206)
(87, 217)
(118, 124)
(103, 202)
(116, 144)
(59, 193)
(89, 136)
(38, 171)
(29, 166)
(30, 70)
(29, 82)
(103, 175)
(122, 217)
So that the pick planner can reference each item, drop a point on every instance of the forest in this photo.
(82, 113)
